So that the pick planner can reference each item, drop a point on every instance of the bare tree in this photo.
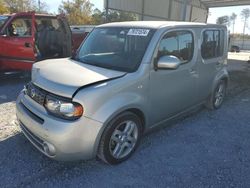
(41, 7)
(232, 19)
(245, 14)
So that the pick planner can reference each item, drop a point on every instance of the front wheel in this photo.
(216, 99)
(120, 138)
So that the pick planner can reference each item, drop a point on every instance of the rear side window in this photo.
(212, 45)
(179, 44)
(50, 22)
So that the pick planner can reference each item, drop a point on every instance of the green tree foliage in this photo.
(223, 20)
(119, 16)
(232, 19)
(13, 6)
(245, 14)
(78, 12)
(19, 5)
(3, 7)
(99, 17)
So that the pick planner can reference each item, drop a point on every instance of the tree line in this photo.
(228, 20)
(13, 6)
(78, 12)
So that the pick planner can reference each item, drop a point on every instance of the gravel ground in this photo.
(205, 149)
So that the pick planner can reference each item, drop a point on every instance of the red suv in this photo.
(28, 37)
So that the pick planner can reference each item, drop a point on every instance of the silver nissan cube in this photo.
(125, 79)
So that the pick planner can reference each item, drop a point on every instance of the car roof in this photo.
(25, 13)
(157, 24)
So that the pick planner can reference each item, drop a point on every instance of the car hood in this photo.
(64, 76)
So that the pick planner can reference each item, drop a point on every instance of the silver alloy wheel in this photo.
(123, 139)
(219, 95)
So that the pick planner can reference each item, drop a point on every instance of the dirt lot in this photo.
(206, 149)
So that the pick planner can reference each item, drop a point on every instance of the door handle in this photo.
(27, 45)
(193, 73)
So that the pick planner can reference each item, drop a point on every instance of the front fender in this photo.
(118, 104)
(114, 106)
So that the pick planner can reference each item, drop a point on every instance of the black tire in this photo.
(104, 151)
(211, 103)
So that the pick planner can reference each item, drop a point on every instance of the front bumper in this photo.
(56, 138)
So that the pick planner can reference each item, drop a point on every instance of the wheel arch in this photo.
(223, 75)
(134, 110)
(226, 79)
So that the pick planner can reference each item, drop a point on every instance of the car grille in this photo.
(32, 137)
(36, 93)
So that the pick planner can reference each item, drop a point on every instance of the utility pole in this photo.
(143, 10)
(184, 10)
(107, 10)
(244, 29)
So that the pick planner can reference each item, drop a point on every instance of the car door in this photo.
(211, 59)
(18, 41)
(66, 37)
(172, 91)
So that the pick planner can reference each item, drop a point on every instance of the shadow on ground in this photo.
(10, 88)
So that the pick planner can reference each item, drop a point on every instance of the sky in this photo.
(214, 13)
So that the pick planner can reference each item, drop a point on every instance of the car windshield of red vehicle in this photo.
(3, 19)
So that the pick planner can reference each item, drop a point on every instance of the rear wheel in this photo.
(216, 99)
(120, 138)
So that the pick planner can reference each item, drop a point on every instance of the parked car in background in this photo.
(28, 37)
(235, 48)
(79, 33)
(141, 75)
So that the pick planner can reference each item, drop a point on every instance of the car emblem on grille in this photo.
(33, 93)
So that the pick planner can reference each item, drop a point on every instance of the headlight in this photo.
(62, 108)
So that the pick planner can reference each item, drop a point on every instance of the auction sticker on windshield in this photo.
(138, 32)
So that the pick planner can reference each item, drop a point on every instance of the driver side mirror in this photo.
(168, 62)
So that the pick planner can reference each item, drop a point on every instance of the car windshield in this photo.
(120, 49)
(3, 19)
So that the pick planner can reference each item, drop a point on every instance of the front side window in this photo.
(179, 44)
(20, 27)
(212, 45)
(120, 49)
